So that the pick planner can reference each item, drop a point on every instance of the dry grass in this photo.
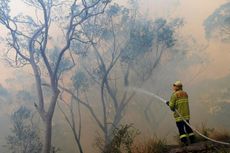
(153, 145)
(124, 140)
(214, 134)
(205, 131)
(221, 136)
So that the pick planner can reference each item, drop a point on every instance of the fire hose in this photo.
(164, 101)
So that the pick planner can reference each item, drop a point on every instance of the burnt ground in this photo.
(201, 147)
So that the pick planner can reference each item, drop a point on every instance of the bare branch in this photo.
(86, 105)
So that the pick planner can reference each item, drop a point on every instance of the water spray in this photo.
(148, 93)
(164, 101)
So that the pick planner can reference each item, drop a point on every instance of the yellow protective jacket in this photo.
(179, 101)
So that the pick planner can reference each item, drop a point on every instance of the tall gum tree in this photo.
(31, 38)
(125, 49)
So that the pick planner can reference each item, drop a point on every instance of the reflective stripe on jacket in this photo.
(179, 101)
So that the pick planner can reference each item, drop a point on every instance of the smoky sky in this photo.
(209, 61)
(193, 12)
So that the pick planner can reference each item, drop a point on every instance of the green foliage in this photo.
(140, 41)
(24, 137)
(145, 34)
(4, 13)
(65, 62)
(217, 25)
(113, 10)
(23, 95)
(80, 80)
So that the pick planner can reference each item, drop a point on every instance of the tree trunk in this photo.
(48, 135)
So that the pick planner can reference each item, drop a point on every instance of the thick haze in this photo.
(194, 13)
(206, 71)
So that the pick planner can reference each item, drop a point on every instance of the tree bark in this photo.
(48, 135)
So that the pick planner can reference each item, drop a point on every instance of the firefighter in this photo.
(179, 102)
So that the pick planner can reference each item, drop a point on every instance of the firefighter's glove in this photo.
(167, 103)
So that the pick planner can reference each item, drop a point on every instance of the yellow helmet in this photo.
(178, 84)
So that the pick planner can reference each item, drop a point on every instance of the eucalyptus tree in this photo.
(50, 26)
(217, 25)
(123, 50)
(25, 137)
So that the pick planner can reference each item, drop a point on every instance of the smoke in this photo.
(202, 66)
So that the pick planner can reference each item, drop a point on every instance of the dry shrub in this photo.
(221, 136)
(213, 133)
(205, 131)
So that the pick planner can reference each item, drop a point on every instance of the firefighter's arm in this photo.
(172, 102)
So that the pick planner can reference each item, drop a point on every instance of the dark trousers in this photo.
(185, 132)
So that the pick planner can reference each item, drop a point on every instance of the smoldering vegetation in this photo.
(112, 49)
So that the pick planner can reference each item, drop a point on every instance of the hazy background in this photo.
(205, 73)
